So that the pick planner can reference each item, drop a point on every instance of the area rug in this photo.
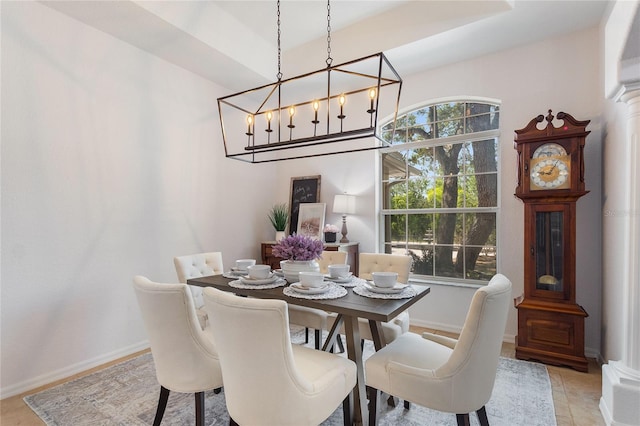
(127, 394)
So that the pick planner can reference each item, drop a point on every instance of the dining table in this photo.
(348, 308)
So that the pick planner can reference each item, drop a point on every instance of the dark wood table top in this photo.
(352, 304)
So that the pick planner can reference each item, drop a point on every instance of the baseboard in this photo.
(69, 371)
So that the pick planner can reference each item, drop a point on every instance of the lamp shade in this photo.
(344, 204)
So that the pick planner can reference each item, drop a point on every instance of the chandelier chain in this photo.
(329, 58)
(279, 75)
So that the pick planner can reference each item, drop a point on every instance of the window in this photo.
(439, 182)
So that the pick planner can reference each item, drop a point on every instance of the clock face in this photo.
(549, 150)
(550, 172)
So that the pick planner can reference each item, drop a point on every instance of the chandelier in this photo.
(330, 111)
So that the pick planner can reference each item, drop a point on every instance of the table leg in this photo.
(379, 341)
(333, 334)
(354, 352)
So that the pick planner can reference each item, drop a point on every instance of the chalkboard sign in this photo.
(304, 189)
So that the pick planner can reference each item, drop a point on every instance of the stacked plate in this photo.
(339, 280)
(397, 288)
(246, 279)
(310, 290)
(238, 272)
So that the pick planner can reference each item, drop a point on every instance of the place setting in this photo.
(385, 285)
(258, 276)
(240, 270)
(340, 274)
(312, 285)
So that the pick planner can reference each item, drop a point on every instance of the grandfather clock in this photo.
(550, 181)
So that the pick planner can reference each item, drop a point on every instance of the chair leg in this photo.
(372, 394)
(407, 404)
(318, 336)
(217, 390)
(463, 419)
(232, 422)
(482, 416)
(162, 404)
(306, 335)
(347, 409)
(340, 345)
(199, 408)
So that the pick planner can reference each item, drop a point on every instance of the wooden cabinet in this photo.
(550, 181)
(352, 250)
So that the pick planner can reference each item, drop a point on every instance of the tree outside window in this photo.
(440, 184)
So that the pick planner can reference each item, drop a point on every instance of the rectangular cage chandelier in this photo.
(330, 111)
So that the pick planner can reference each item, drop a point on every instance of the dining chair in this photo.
(195, 266)
(331, 258)
(444, 374)
(382, 262)
(316, 318)
(184, 356)
(267, 380)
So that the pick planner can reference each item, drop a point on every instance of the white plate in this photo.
(397, 288)
(309, 290)
(249, 280)
(339, 280)
(236, 271)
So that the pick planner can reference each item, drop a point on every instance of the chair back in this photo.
(196, 266)
(185, 357)
(474, 360)
(260, 377)
(382, 262)
(331, 258)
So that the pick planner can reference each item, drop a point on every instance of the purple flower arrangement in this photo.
(298, 247)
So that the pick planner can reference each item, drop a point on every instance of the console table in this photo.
(352, 250)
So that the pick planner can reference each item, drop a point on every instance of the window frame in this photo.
(432, 142)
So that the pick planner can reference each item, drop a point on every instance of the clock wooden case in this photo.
(550, 181)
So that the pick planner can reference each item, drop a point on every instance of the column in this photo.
(620, 401)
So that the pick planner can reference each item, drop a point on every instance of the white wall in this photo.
(112, 164)
(562, 74)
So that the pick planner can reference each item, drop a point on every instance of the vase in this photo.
(280, 235)
(329, 237)
(290, 268)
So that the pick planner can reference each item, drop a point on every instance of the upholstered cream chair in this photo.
(267, 380)
(316, 318)
(185, 356)
(196, 266)
(331, 258)
(454, 376)
(382, 262)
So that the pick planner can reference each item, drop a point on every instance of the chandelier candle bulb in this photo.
(372, 96)
(341, 101)
(249, 123)
(292, 112)
(269, 117)
(316, 106)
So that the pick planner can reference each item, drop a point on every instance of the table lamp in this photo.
(344, 204)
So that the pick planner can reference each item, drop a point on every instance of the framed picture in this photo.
(304, 189)
(311, 219)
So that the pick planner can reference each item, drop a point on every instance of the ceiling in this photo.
(233, 43)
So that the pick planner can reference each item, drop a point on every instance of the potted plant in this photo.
(330, 232)
(299, 253)
(279, 217)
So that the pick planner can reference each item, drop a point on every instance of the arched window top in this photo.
(443, 119)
